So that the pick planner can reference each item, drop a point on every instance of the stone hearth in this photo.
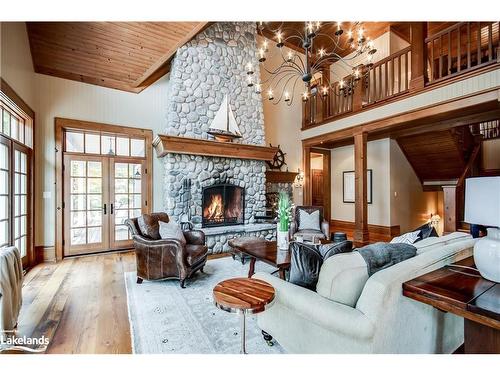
(203, 71)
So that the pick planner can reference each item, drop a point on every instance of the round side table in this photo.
(243, 296)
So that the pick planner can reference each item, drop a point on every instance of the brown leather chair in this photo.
(323, 232)
(158, 258)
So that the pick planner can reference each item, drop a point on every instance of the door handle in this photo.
(104, 208)
(111, 213)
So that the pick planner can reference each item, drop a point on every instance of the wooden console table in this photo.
(462, 291)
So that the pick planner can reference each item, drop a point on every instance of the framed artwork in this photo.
(348, 189)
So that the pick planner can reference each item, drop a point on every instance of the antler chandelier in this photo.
(294, 68)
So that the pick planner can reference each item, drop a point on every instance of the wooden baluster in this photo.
(399, 74)
(459, 52)
(490, 42)
(432, 60)
(468, 45)
(440, 57)
(387, 79)
(407, 80)
(392, 77)
(375, 90)
(380, 82)
(478, 43)
(449, 53)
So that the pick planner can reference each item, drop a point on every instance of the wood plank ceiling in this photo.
(127, 56)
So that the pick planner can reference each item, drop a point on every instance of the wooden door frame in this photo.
(327, 178)
(63, 124)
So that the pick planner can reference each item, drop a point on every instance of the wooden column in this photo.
(450, 208)
(307, 190)
(360, 195)
(418, 33)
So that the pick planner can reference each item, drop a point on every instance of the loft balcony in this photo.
(429, 60)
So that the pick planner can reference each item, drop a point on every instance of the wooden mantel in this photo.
(165, 144)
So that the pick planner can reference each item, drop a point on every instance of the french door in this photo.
(100, 193)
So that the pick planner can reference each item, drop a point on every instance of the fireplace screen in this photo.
(223, 205)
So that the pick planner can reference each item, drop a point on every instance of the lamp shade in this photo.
(482, 201)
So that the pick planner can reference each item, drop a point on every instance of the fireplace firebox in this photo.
(223, 204)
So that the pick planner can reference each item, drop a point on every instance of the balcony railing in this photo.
(461, 48)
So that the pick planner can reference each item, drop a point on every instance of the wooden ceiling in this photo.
(127, 56)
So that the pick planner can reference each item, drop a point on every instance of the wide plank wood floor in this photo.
(80, 304)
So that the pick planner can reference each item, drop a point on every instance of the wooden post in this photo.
(450, 208)
(307, 190)
(357, 96)
(360, 195)
(418, 32)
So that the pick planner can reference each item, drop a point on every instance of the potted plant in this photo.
(284, 216)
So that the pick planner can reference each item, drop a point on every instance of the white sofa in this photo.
(381, 320)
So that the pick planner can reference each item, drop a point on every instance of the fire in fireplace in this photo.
(223, 204)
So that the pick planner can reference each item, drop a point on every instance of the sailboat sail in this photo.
(224, 124)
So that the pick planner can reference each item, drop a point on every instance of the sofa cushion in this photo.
(148, 224)
(308, 234)
(432, 243)
(309, 220)
(173, 231)
(342, 278)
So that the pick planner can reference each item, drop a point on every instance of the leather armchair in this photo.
(324, 225)
(159, 259)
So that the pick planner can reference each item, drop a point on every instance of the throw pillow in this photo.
(306, 261)
(408, 238)
(309, 220)
(426, 231)
(148, 224)
(173, 231)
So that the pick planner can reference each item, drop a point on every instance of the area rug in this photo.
(164, 318)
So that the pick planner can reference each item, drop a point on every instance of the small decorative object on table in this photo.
(482, 206)
(284, 217)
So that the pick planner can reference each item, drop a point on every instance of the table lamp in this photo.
(482, 207)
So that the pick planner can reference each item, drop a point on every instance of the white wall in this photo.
(16, 66)
(378, 159)
(410, 205)
(283, 122)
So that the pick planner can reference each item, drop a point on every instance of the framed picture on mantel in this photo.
(348, 187)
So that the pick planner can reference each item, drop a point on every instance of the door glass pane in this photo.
(4, 156)
(107, 145)
(127, 197)
(4, 238)
(74, 142)
(78, 168)
(122, 146)
(92, 143)
(4, 182)
(86, 210)
(94, 235)
(137, 147)
(4, 207)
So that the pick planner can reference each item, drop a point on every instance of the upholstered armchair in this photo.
(159, 258)
(321, 228)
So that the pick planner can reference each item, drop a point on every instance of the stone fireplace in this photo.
(222, 195)
(223, 204)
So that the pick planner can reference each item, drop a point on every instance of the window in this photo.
(16, 142)
(104, 144)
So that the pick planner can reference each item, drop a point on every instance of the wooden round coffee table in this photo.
(243, 296)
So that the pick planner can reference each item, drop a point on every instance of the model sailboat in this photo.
(224, 127)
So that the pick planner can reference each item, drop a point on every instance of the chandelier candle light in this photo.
(294, 67)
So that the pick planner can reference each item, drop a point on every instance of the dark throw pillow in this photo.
(306, 261)
(426, 231)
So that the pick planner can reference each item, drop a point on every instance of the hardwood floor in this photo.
(80, 304)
